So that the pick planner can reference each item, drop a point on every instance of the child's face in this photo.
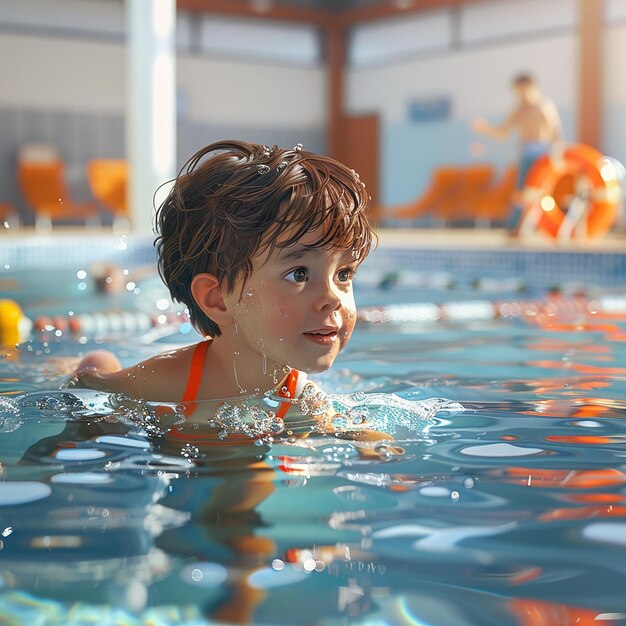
(297, 308)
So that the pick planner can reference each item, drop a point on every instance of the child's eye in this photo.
(299, 275)
(345, 275)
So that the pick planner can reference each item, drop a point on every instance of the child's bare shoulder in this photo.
(162, 377)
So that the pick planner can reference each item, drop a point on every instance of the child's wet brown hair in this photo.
(234, 200)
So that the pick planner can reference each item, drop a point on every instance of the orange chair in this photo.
(445, 182)
(41, 177)
(494, 204)
(108, 181)
(474, 180)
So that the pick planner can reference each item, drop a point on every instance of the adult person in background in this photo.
(536, 121)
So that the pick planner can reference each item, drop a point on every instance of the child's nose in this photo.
(329, 297)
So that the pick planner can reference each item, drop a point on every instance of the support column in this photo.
(335, 63)
(151, 105)
(591, 41)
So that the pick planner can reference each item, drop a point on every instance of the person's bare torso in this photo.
(534, 122)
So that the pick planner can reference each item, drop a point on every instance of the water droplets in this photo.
(263, 169)
(190, 452)
(9, 416)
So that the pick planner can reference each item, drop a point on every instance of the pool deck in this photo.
(493, 239)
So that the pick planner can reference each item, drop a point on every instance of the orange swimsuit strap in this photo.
(287, 390)
(195, 372)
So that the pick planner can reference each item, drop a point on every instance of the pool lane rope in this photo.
(15, 327)
(610, 306)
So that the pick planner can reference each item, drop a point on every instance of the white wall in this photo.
(614, 108)
(61, 74)
(252, 94)
(72, 75)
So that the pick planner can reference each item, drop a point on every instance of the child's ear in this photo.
(207, 293)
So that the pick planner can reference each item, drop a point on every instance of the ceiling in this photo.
(333, 5)
(321, 12)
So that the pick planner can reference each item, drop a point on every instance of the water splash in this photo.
(10, 419)
(387, 412)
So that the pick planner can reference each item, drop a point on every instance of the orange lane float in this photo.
(577, 194)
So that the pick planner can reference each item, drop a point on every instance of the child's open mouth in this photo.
(322, 336)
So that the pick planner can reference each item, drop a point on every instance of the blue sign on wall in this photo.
(430, 110)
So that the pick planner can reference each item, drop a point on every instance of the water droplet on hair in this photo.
(263, 169)
(298, 147)
(280, 167)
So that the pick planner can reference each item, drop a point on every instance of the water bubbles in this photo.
(339, 452)
(190, 452)
(204, 574)
(9, 416)
(81, 274)
(384, 451)
(455, 496)
(339, 422)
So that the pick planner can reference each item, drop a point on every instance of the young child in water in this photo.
(261, 244)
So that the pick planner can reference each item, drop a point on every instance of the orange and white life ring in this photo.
(578, 194)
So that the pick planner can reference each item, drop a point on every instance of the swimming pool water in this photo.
(510, 511)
